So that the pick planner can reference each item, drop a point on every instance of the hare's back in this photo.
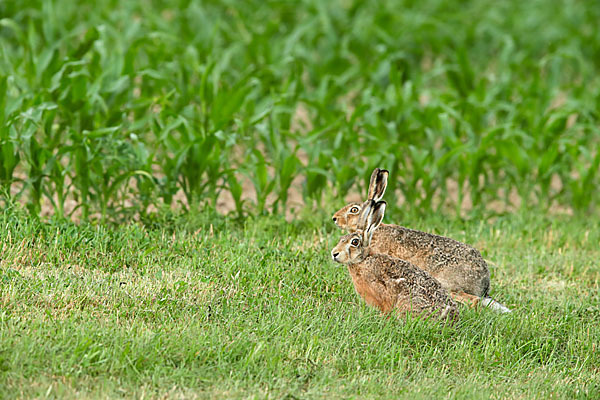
(422, 248)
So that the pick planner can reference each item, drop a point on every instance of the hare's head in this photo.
(354, 247)
(347, 217)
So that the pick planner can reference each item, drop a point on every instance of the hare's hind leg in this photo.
(465, 298)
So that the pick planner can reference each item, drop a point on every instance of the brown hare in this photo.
(458, 267)
(390, 284)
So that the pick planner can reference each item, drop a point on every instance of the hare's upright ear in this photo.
(377, 211)
(365, 215)
(378, 184)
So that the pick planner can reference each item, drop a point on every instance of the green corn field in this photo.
(114, 107)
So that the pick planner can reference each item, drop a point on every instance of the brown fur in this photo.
(460, 268)
(391, 284)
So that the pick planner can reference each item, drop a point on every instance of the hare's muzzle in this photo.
(337, 221)
(334, 255)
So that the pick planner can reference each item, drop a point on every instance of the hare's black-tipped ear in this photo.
(377, 211)
(378, 184)
(365, 213)
(373, 221)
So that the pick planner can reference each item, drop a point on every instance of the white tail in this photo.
(494, 305)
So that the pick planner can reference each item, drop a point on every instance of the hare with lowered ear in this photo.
(390, 284)
(458, 267)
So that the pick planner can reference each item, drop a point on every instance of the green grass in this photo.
(201, 306)
(119, 105)
(111, 110)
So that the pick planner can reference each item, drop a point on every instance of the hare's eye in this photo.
(354, 210)
(355, 242)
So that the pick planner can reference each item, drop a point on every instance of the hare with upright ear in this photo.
(458, 267)
(346, 218)
(390, 284)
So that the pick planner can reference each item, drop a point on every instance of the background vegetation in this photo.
(114, 105)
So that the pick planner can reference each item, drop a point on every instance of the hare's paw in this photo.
(466, 299)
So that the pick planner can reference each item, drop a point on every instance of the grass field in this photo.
(204, 307)
(168, 171)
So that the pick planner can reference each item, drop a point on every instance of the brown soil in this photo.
(226, 204)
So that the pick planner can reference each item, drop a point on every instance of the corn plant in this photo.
(121, 107)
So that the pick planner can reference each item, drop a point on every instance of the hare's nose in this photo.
(334, 219)
(335, 255)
